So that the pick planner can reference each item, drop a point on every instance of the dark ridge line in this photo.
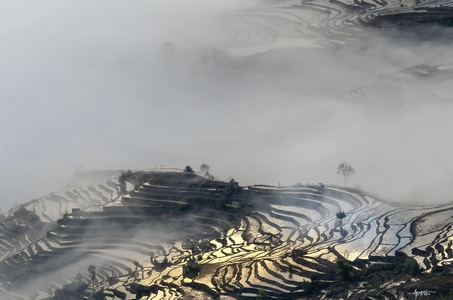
(95, 191)
(282, 278)
(114, 185)
(87, 197)
(71, 196)
(106, 189)
(292, 213)
(79, 196)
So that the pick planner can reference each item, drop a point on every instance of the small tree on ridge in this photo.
(345, 169)
(188, 170)
(204, 168)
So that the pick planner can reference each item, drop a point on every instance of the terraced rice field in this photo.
(141, 239)
(282, 24)
(142, 230)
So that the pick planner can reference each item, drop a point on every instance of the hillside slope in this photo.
(169, 235)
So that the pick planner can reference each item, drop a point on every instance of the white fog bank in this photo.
(85, 83)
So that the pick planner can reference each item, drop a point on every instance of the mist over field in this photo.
(86, 83)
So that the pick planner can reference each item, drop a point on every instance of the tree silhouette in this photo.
(345, 169)
(188, 170)
(345, 270)
(341, 215)
(78, 278)
(204, 168)
(411, 267)
(92, 271)
(135, 273)
(261, 295)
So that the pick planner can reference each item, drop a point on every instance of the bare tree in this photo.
(204, 168)
(345, 169)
